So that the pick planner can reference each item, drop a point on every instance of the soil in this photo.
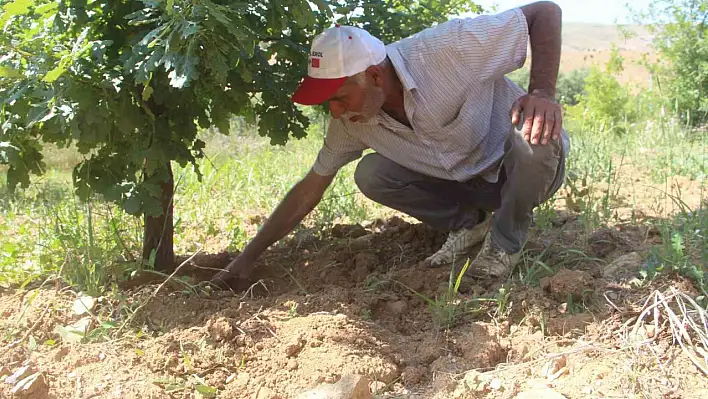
(360, 301)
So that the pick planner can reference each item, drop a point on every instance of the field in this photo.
(608, 302)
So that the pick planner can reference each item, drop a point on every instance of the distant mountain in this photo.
(585, 45)
(592, 37)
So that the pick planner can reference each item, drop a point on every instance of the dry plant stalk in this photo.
(686, 319)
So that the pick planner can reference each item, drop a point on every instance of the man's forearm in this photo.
(544, 20)
(297, 204)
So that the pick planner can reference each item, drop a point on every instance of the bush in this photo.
(682, 41)
(569, 88)
(605, 102)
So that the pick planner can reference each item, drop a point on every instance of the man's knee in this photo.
(367, 175)
(534, 158)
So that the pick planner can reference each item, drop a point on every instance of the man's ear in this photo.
(375, 74)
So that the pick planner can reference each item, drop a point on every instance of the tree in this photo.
(604, 103)
(681, 38)
(130, 83)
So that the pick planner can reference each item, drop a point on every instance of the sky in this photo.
(588, 11)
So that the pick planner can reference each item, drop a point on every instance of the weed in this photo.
(502, 302)
(292, 309)
(367, 314)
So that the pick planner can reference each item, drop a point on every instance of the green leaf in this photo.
(108, 325)
(7, 72)
(54, 74)
(206, 391)
(45, 9)
(17, 7)
(147, 92)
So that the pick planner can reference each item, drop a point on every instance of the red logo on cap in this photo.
(315, 62)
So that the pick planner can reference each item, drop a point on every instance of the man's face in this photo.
(357, 101)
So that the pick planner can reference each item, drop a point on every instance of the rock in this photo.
(266, 393)
(568, 283)
(349, 231)
(553, 366)
(363, 263)
(413, 375)
(569, 324)
(292, 365)
(61, 353)
(398, 307)
(220, 329)
(624, 266)
(495, 384)
(83, 305)
(293, 349)
(365, 260)
(33, 386)
(542, 393)
(361, 243)
(350, 386)
(18, 375)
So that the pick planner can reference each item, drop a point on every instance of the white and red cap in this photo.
(336, 54)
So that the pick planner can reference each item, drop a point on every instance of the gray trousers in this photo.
(530, 175)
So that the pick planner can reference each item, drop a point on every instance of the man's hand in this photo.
(238, 271)
(543, 117)
(299, 202)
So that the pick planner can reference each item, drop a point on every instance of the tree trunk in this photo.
(159, 231)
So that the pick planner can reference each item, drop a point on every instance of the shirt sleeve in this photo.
(493, 45)
(339, 149)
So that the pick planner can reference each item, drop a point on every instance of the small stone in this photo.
(541, 393)
(293, 349)
(627, 264)
(377, 387)
(563, 308)
(553, 366)
(361, 243)
(242, 379)
(412, 375)
(266, 393)
(350, 386)
(602, 372)
(397, 308)
(83, 305)
(292, 365)
(567, 284)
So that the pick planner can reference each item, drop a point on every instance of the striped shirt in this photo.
(456, 97)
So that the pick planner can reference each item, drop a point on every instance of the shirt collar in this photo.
(399, 65)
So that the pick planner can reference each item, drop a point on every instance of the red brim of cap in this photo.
(314, 91)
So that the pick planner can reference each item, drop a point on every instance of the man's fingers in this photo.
(558, 125)
(516, 113)
(549, 125)
(528, 124)
(538, 126)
